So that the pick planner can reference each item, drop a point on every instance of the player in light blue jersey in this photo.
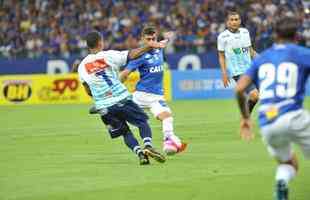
(99, 75)
(149, 89)
(235, 52)
(281, 72)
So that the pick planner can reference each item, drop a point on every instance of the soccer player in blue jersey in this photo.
(281, 72)
(149, 89)
(235, 52)
(99, 75)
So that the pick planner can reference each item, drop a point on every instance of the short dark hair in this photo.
(230, 13)
(286, 27)
(148, 30)
(92, 39)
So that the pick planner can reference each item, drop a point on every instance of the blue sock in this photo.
(132, 142)
(146, 134)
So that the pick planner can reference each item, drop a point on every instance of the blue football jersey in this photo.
(150, 67)
(281, 73)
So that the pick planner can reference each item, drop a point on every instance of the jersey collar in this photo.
(238, 31)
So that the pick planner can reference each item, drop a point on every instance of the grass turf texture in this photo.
(59, 152)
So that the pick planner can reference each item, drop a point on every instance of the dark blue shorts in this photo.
(119, 114)
(248, 89)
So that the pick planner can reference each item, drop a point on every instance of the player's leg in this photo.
(158, 108)
(300, 126)
(285, 172)
(252, 93)
(297, 124)
(163, 113)
(117, 127)
(278, 140)
(150, 101)
(299, 131)
(133, 114)
(286, 169)
(133, 144)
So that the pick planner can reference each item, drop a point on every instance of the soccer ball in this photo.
(170, 148)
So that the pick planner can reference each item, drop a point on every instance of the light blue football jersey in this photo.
(236, 47)
(100, 72)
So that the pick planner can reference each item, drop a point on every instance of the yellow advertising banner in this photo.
(42, 89)
(55, 89)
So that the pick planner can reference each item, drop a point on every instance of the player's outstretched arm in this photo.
(135, 53)
(245, 125)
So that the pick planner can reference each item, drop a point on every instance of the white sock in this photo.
(285, 172)
(168, 127)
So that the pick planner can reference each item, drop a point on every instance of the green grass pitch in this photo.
(59, 152)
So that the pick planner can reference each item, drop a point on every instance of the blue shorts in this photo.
(249, 88)
(119, 114)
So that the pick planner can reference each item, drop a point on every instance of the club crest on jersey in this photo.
(147, 56)
(156, 69)
(151, 61)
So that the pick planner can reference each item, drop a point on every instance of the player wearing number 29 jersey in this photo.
(281, 73)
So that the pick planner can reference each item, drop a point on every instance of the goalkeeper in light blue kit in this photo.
(281, 72)
(235, 53)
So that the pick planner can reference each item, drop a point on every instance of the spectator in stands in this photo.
(32, 28)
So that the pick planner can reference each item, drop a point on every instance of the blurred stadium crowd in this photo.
(32, 28)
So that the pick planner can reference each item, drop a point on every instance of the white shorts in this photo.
(156, 103)
(293, 127)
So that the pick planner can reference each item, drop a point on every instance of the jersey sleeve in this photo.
(118, 58)
(220, 43)
(135, 64)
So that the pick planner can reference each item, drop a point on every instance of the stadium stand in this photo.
(32, 28)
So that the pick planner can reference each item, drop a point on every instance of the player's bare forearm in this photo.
(222, 61)
(124, 75)
(87, 89)
(135, 53)
(241, 86)
(241, 99)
